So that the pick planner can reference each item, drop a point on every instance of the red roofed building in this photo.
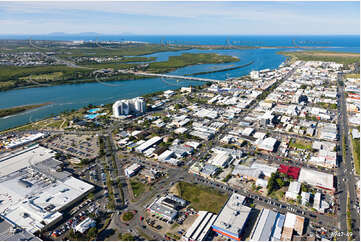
(291, 171)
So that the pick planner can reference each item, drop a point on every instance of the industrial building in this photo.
(149, 143)
(126, 107)
(232, 219)
(268, 226)
(221, 159)
(268, 144)
(317, 179)
(200, 228)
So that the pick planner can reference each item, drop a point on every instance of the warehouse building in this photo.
(233, 218)
(268, 226)
(200, 228)
(268, 144)
(221, 159)
(317, 179)
(149, 143)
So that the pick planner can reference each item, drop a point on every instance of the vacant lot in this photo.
(201, 197)
(138, 187)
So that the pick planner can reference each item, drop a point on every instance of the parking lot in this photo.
(81, 146)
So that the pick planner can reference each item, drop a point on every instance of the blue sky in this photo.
(179, 18)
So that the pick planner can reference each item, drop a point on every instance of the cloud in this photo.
(187, 16)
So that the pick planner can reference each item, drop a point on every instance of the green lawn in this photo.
(299, 144)
(138, 187)
(127, 216)
(202, 197)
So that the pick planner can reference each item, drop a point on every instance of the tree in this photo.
(91, 196)
(125, 237)
(92, 232)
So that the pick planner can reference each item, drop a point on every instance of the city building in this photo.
(293, 190)
(84, 225)
(232, 219)
(268, 144)
(34, 192)
(291, 171)
(149, 143)
(167, 207)
(317, 179)
(129, 106)
(293, 225)
(11, 232)
(200, 228)
(132, 170)
(268, 226)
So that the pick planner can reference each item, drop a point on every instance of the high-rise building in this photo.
(125, 107)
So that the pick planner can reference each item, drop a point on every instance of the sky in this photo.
(181, 18)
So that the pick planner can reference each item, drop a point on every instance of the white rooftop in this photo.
(316, 178)
(33, 155)
(233, 216)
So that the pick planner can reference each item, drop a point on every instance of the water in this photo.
(74, 96)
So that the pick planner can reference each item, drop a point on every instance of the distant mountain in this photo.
(85, 34)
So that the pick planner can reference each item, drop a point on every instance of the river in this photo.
(74, 96)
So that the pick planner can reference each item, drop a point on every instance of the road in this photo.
(346, 181)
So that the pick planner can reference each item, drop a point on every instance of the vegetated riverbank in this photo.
(12, 77)
(222, 70)
(327, 56)
(19, 109)
(187, 59)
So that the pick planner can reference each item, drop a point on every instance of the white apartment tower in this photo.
(125, 107)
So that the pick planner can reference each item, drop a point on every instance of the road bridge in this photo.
(138, 73)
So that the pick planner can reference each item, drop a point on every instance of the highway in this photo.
(346, 181)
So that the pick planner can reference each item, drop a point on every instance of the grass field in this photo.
(338, 57)
(138, 187)
(353, 75)
(201, 197)
(301, 144)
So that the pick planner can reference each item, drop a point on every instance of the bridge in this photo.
(139, 73)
